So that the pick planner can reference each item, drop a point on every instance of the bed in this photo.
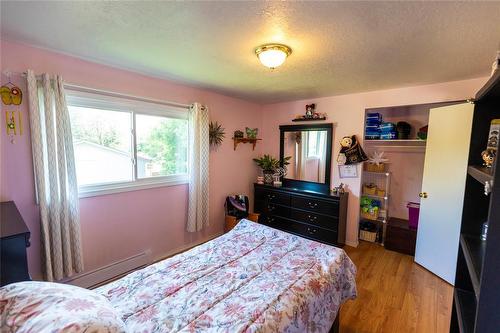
(251, 279)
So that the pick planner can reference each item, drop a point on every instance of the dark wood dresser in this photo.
(14, 239)
(317, 216)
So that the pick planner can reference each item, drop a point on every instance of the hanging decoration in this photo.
(11, 94)
(13, 123)
(216, 134)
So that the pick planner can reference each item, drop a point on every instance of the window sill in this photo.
(142, 184)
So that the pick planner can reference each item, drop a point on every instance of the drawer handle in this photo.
(270, 219)
(271, 196)
(312, 218)
(271, 207)
(312, 204)
(311, 231)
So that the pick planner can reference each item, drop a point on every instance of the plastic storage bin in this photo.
(387, 127)
(413, 213)
(373, 117)
(388, 136)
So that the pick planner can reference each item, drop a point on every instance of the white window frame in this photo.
(133, 107)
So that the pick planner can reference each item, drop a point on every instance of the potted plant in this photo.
(269, 166)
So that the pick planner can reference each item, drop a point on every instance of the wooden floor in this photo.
(395, 295)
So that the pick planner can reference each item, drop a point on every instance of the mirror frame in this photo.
(302, 184)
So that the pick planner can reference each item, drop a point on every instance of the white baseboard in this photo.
(111, 271)
(108, 272)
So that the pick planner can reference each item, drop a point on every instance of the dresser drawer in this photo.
(318, 206)
(316, 233)
(272, 221)
(273, 197)
(327, 222)
(266, 208)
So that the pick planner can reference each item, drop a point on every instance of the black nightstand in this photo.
(14, 239)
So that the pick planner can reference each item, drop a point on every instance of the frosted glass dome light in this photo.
(273, 55)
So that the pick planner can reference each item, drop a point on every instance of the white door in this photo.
(445, 171)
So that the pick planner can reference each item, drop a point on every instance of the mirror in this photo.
(309, 147)
(307, 150)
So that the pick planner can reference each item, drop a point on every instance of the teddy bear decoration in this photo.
(310, 114)
(350, 151)
(488, 156)
(345, 144)
(310, 110)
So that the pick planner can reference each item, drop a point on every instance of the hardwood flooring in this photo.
(395, 295)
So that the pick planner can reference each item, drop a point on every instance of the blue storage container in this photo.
(388, 136)
(372, 136)
(373, 117)
(372, 128)
(387, 127)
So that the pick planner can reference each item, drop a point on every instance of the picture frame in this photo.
(348, 171)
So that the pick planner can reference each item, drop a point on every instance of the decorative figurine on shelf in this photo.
(350, 151)
(493, 134)
(339, 189)
(215, 134)
(310, 110)
(422, 132)
(488, 156)
(252, 132)
(310, 114)
(238, 134)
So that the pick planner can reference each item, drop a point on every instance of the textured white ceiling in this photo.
(338, 47)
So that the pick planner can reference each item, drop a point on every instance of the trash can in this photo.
(413, 212)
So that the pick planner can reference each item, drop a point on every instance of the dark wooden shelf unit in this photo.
(465, 302)
(480, 173)
(473, 249)
(476, 300)
(491, 90)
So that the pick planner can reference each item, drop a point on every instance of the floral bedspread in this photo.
(252, 279)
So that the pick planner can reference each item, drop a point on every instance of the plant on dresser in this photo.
(318, 216)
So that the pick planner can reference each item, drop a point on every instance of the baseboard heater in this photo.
(111, 271)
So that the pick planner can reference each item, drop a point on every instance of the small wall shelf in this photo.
(245, 140)
(309, 119)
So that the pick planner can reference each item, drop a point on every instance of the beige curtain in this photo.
(55, 175)
(198, 210)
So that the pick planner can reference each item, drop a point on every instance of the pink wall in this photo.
(347, 113)
(120, 225)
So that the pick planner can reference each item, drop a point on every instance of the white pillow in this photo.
(45, 307)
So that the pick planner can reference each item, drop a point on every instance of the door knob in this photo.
(423, 195)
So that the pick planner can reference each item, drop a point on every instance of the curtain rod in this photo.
(75, 87)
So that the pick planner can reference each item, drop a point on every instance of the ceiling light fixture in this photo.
(273, 55)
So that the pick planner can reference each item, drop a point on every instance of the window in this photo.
(123, 144)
